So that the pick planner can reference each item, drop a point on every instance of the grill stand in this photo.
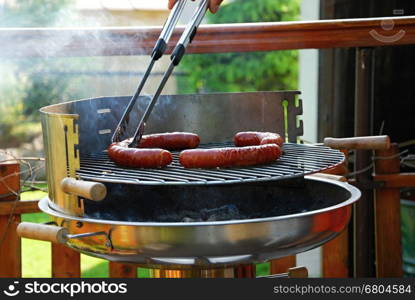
(238, 271)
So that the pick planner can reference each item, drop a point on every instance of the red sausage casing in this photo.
(170, 141)
(254, 138)
(230, 157)
(139, 158)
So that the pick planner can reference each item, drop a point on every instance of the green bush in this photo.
(233, 72)
(41, 90)
(31, 13)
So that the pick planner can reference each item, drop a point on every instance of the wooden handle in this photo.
(328, 176)
(94, 191)
(380, 142)
(49, 233)
(298, 272)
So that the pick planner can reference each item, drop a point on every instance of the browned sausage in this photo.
(170, 141)
(253, 138)
(139, 158)
(230, 157)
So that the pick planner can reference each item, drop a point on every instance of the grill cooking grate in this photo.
(297, 160)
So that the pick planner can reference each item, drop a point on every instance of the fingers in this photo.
(214, 5)
(171, 3)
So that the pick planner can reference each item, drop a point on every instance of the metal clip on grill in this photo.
(158, 52)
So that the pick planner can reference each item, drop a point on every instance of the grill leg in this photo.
(239, 271)
(281, 265)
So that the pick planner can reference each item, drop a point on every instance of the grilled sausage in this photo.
(139, 158)
(170, 141)
(230, 157)
(253, 138)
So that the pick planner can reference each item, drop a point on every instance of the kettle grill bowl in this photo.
(323, 211)
(278, 218)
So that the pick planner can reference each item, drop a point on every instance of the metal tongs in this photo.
(158, 51)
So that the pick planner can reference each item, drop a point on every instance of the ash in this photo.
(223, 213)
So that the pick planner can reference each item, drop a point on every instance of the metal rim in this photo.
(354, 196)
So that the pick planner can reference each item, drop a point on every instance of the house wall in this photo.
(308, 75)
(308, 85)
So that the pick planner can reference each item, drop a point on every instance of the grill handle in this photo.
(296, 272)
(94, 191)
(49, 233)
(55, 234)
(380, 142)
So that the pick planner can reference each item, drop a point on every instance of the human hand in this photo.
(213, 4)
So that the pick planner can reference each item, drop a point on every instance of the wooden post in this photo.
(10, 243)
(245, 271)
(335, 254)
(66, 263)
(363, 216)
(335, 257)
(118, 270)
(388, 218)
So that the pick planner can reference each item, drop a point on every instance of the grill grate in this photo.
(297, 160)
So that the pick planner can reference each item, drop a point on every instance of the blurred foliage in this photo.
(239, 72)
(43, 87)
(31, 13)
(14, 127)
(28, 86)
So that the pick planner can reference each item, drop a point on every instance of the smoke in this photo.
(47, 66)
(77, 47)
(65, 52)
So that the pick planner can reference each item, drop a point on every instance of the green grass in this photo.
(36, 255)
(32, 195)
(262, 269)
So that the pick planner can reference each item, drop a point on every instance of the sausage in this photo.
(230, 157)
(170, 141)
(139, 158)
(253, 138)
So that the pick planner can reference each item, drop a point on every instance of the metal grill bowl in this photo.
(139, 221)
(306, 214)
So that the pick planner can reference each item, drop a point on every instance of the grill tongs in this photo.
(158, 51)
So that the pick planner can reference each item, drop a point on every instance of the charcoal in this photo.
(192, 203)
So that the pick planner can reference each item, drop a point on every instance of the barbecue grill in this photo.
(204, 222)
